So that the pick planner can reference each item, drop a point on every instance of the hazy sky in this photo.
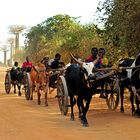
(32, 12)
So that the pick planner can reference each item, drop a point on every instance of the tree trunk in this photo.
(5, 57)
(17, 43)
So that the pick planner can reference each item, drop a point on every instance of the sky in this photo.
(33, 12)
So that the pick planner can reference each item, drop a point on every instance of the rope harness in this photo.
(137, 69)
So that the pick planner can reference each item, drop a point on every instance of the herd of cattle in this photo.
(79, 78)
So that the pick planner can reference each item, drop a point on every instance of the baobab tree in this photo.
(16, 30)
(4, 49)
(11, 42)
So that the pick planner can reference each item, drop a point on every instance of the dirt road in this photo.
(25, 120)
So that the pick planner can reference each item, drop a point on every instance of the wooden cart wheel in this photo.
(113, 93)
(27, 86)
(7, 82)
(62, 94)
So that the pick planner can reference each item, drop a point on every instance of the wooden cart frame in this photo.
(112, 88)
(112, 91)
(25, 82)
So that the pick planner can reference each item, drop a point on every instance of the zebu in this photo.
(79, 78)
(16, 79)
(40, 80)
(131, 80)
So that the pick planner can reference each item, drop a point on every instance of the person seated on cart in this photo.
(102, 62)
(14, 71)
(93, 56)
(56, 62)
(15, 66)
(98, 54)
(54, 65)
(27, 65)
(16, 77)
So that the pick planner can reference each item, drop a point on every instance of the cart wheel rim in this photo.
(113, 94)
(7, 83)
(62, 94)
(27, 86)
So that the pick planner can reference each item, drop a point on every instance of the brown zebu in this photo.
(40, 80)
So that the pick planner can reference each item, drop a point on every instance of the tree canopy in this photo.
(122, 25)
(119, 34)
(63, 34)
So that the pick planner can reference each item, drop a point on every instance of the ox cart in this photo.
(25, 82)
(111, 88)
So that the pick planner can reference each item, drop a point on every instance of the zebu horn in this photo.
(75, 59)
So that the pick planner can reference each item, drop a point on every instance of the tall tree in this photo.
(16, 30)
(11, 42)
(122, 25)
(4, 49)
(63, 34)
(48, 35)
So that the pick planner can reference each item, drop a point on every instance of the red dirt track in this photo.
(26, 120)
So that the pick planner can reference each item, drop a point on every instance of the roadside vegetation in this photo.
(118, 33)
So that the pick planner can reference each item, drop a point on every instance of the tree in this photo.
(16, 30)
(48, 35)
(4, 49)
(122, 25)
(63, 34)
(11, 42)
